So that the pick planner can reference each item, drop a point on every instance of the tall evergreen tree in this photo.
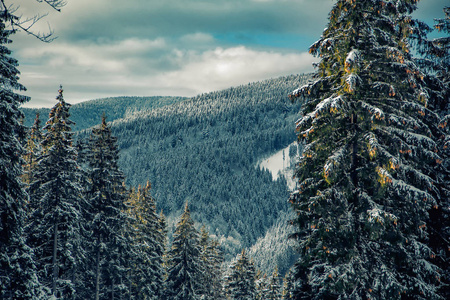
(370, 168)
(147, 265)
(240, 283)
(287, 292)
(57, 199)
(185, 270)
(110, 248)
(261, 285)
(32, 150)
(18, 278)
(212, 258)
(443, 44)
(439, 224)
(274, 287)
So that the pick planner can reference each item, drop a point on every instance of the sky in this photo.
(107, 48)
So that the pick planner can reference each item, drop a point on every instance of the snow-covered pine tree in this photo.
(205, 282)
(32, 150)
(439, 224)
(185, 270)
(212, 259)
(274, 287)
(110, 247)
(55, 227)
(261, 285)
(370, 168)
(215, 253)
(162, 227)
(443, 44)
(240, 282)
(287, 292)
(147, 271)
(18, 278)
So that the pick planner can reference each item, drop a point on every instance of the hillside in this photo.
(206, 150)
(211, 150)
(89, 113)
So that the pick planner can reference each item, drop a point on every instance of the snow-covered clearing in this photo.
(281, 164)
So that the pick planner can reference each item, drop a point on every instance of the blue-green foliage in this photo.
(87, 114)
(205, 150)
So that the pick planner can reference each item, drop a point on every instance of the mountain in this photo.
(206, 150)
(209, 150)
(87, 114)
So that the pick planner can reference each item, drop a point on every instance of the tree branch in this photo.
(8, 14)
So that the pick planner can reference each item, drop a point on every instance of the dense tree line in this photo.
(86, 114)
(205, 150)
(92, 237)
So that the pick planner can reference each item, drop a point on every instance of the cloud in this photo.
(220, 68)
(172, 47)
(87, 73)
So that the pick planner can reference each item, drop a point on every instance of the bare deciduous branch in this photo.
(55, 4)
(9, 15)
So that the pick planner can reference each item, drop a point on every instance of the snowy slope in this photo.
(282, 164)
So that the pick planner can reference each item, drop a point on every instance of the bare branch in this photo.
(8, 14)
(55, 4)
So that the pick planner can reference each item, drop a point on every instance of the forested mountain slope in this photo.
(205, 151)
(89, 113)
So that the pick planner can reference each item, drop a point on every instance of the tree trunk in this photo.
(54, 260)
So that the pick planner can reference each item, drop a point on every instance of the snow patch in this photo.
(282, 164)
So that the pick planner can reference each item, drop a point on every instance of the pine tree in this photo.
(443, 54)
(147, 266)
(184, 261)
(18, 278)
(57, 199)
(212, 259)
(240, 283)
(288, 286)
(370, 168)
(110, 247)
(439, 223)
(216, 260)
(273, 288)
(32, 150)
(261, 285)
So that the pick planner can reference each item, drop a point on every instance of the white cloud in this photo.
(221, 68)
(95, 71)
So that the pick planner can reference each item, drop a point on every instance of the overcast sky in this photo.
(169, 47)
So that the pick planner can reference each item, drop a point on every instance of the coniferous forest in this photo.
(165, 197)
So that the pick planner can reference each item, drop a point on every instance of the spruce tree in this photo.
(147, 265)
(439, 224)
(370, 168)
(18, 278)
(240, 283)
(110, 248)
(216, 259)
(57, 199)
(442, 25)
(261, 285)
(185, 269)
(287, 292)
(274, 287)
(211, 256)
(32, 151)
